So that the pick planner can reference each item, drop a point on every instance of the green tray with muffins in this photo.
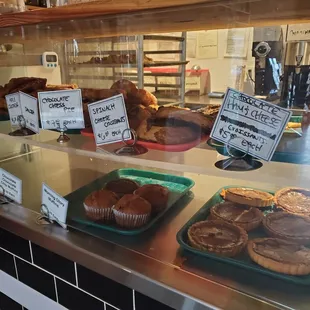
(178, 186)
(241, 260)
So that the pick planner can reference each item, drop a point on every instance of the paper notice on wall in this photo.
(206, 44)
(298, 32)
(237, 43)
(249, 124)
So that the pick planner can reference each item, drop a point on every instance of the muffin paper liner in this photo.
(130, 220)
(104, 214)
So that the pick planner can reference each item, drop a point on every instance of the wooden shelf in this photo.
(126, 18)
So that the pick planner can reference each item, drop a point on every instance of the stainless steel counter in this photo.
(151, 263)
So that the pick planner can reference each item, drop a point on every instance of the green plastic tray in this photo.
(242, 260)
(178, 187)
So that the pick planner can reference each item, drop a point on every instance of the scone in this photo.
(132, 211)
(280, 256)
(98, 205)
(155, 194)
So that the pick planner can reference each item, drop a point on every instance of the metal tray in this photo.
(178, 187)
(242, 260)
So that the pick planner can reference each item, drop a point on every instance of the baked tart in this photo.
(247, 218)
(280, 255)
(217, 237)
(288, 226)
(294, 200)
(248, 196)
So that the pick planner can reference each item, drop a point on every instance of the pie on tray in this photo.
(248, 196)
(280, 255)
(294, 200)
(247, 218)
(217, 237)
(288, 226)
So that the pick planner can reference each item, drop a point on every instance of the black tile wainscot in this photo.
(71, 285)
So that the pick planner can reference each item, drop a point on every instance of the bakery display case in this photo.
(149, 210)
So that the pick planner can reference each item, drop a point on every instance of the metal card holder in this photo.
(45, 218)
(131, 148)
(3, 199)
(238, 160)
(23, 130)
(63, 138)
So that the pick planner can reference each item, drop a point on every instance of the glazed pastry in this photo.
(280, 255)
(98, 205)
(288, 226)
(132, 211)
(145, 98)
(236, 214)
(123, 84)
(93, 94)
(166, 135)
(155, 194)
(248, 196)
(122, 187)
(217, 237)
(294, 200)
(136, 114)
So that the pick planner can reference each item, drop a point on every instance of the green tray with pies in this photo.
(241, 260)
(178, 186)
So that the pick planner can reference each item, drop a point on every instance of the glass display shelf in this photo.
(155, 253)
(197, 160)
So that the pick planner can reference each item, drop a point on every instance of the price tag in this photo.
(29, 106)
(10, 186)
(109, 120)
(62, 107)
(54, 206)
(250, 124)
(14, 108)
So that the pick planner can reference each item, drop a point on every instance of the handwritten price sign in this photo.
(250, 124)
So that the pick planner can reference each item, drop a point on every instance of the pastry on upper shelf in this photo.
(204, 121)
(233, 213)
(98, 205)
(248, 196)
(132, 211)
(293, 200)
(291, 227)
(217, 237)
(280, 255)
(122, 186)
(155, 194)
(166, 135)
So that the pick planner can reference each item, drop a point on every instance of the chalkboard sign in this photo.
(109, 120)
(250, 124)
(61, 109)
(14, 108)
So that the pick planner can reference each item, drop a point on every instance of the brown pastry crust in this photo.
(197, 118)
(133, 204)
(145, 98)
(294, 200)
(217, 237)
(123, 84)
(101, 199)
(248, 196)
(122, 186)
(280, 255)
(92, 94)
(136, 114)
(155, 194)
(288, 226)
(166, 135)
(28, 86)
(50, 87)
(233, 213)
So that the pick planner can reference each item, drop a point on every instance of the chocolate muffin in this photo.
(132, 211)
(98, 205)
(155, 194)
(122, 187)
